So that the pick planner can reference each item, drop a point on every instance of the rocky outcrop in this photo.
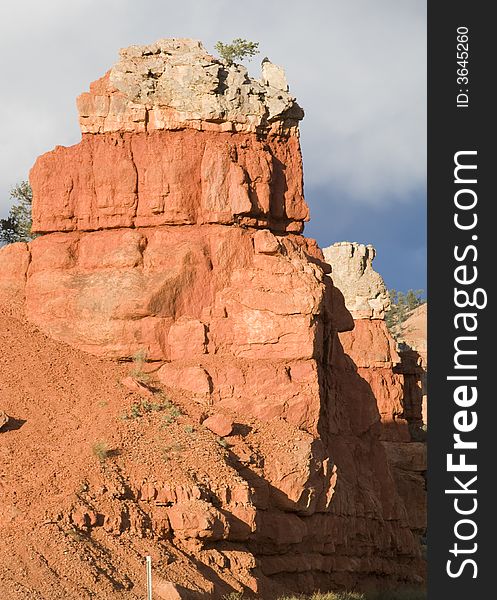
(184, 139)
(172, 230)
(14, 267)
(183, 177)
(366, 296)
(413, 332)
(412, 336)
(393, 372)
(175, 84)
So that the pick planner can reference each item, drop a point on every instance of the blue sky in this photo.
(357, 67)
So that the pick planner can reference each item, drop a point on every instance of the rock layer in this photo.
(180, 243)
(175, 83)
(185, 177)
(184, 139)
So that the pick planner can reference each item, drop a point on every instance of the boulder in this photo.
(197, 519)
(219, 424)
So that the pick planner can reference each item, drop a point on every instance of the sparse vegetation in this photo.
(75, 535)
(17, 226)
(135, 411)
(100, 449)
(144, 407)
(173, 448)
(139, 360)
(222, 442)
(173, 412)
(402, 305)
(238, 49)
(401, 594)
(408, 593)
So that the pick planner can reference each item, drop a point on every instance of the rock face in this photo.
(413, 337)
(364, 290)
(14, 262)
(413, 331)
(173, 230)
(395, 375)
(182, 177)
(176, 84)
(185, 139)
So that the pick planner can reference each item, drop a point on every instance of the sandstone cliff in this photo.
(395, 372)
(172, 231)
(413, 337)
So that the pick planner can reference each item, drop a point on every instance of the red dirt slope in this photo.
(61, 402)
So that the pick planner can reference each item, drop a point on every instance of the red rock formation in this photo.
(413, 337)
(172, 229)
(183, 177)
(394, 376)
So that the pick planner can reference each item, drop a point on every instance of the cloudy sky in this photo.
(357, 67)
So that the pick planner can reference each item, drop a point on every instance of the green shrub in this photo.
(402, 306)
(139, 360)
(144, 407)
(17, 226)
(237, 50)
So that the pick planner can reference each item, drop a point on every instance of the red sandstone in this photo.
(185, 245)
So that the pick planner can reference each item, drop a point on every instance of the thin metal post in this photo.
(149, 577)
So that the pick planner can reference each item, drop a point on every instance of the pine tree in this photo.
(401, 306)
(17, 226)
(237, 50)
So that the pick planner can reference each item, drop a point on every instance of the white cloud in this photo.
(356, 66)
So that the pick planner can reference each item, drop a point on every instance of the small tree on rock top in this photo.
(401, 307)
(237, 50)
(17, 226)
